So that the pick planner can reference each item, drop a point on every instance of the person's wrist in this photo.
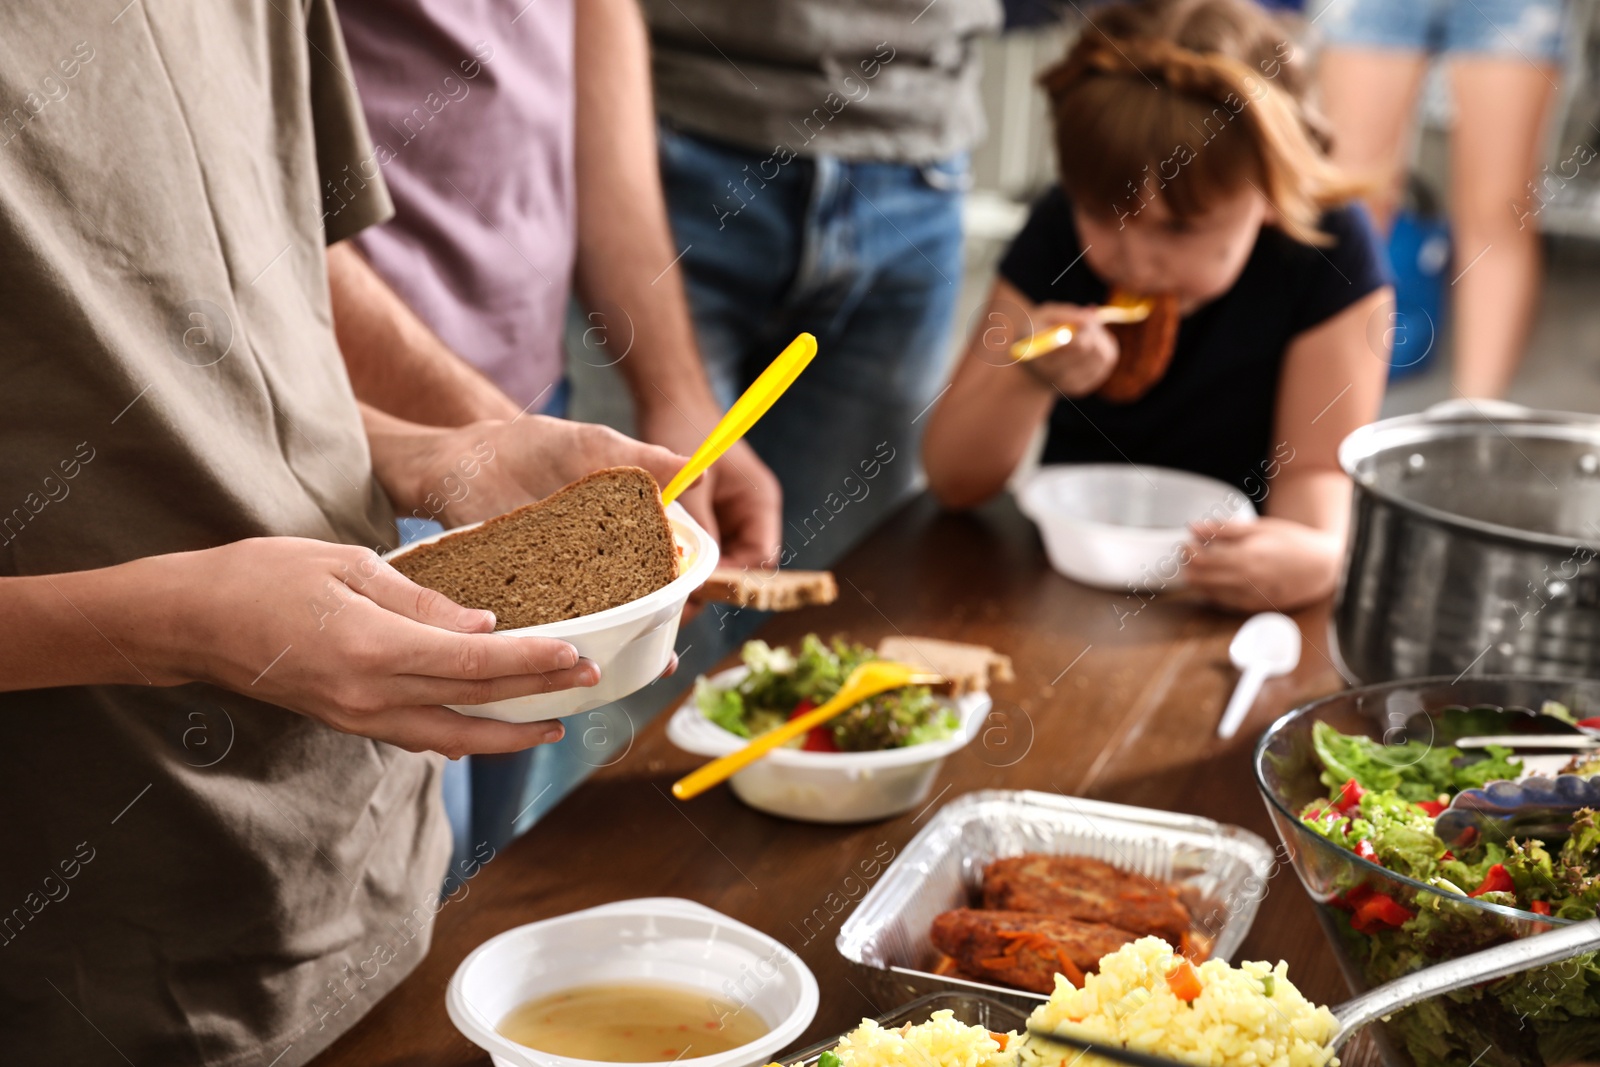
(480, 470)
(151, 613)
(413, 464)
(678, 419)
(1332, 562)
(1036, 377)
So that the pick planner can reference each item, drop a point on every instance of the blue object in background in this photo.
(1419, 255)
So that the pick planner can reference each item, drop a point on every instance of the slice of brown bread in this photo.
(602, 541)
(775, 591)
(968, 668)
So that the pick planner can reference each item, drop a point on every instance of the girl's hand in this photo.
(1268, 565)
(1083, 364)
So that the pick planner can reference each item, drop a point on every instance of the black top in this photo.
(1212, 412)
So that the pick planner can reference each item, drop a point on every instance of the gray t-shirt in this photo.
(189, 876)
(884, 80)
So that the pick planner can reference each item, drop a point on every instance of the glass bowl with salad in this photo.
(1354, 784)
(874, 760)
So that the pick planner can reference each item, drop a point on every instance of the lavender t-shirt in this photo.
(470, 105)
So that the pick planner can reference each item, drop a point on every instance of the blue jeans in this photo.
(866, 256)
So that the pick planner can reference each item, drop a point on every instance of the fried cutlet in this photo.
(1078, 887)
(1024, 950)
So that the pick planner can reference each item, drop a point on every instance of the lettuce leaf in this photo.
(725, 707)
(1416, 770)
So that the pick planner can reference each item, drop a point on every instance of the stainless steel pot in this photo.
(1474, 546)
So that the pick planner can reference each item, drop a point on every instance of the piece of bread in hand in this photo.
(598, 543)
(968, 668)
(775, 591)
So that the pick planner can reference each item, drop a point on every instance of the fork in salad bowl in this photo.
(867, 680)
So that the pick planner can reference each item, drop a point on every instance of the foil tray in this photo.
(1221, 873)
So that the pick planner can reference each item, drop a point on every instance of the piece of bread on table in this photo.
(775, 591)
(969, 668)
(598, 543)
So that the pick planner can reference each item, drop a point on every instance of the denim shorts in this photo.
(1513, 29)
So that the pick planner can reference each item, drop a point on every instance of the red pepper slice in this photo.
(1365, 850)
(1540, 907)
(1380, 911)
(1593, 724)
(1350, 795)
(1351, 899)
(1448, 855)
(1432, 807)
(1496, 881)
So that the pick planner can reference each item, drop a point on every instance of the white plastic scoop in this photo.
(1266, 646)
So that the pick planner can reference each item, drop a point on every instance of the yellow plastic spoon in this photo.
(868, 680)
(1047, 341)
(779, 375)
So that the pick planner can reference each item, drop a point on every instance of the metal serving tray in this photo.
(1221, 872)
(969, 1008)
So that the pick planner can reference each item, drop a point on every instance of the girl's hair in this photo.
(1190, 100)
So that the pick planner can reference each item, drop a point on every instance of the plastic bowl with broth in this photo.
(566, 992)
(632, 1022)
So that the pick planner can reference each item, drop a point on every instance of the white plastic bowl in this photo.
(653, 939)
(830, 787)
(1115, 525)
(631, 643)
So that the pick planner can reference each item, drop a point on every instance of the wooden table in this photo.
(1114, 698)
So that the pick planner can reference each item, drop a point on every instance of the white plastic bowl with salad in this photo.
(878, 759)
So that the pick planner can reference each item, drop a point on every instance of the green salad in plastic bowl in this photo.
(877, 759)
(779, 685)
(1354, 784)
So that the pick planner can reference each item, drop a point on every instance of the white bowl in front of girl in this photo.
(1116, 525)
(631, 643)
(829, 787)
(663, 940)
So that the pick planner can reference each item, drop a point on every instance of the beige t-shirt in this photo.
(188, 876)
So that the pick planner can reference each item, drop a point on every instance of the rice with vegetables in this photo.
(941, 1040)
(1145, 997)
(1150, 999)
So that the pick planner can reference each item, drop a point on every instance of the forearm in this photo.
(1330, 387)
(395, 362)
(98, 627)
(1318, 497)
(625, 258)
(981, 429)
